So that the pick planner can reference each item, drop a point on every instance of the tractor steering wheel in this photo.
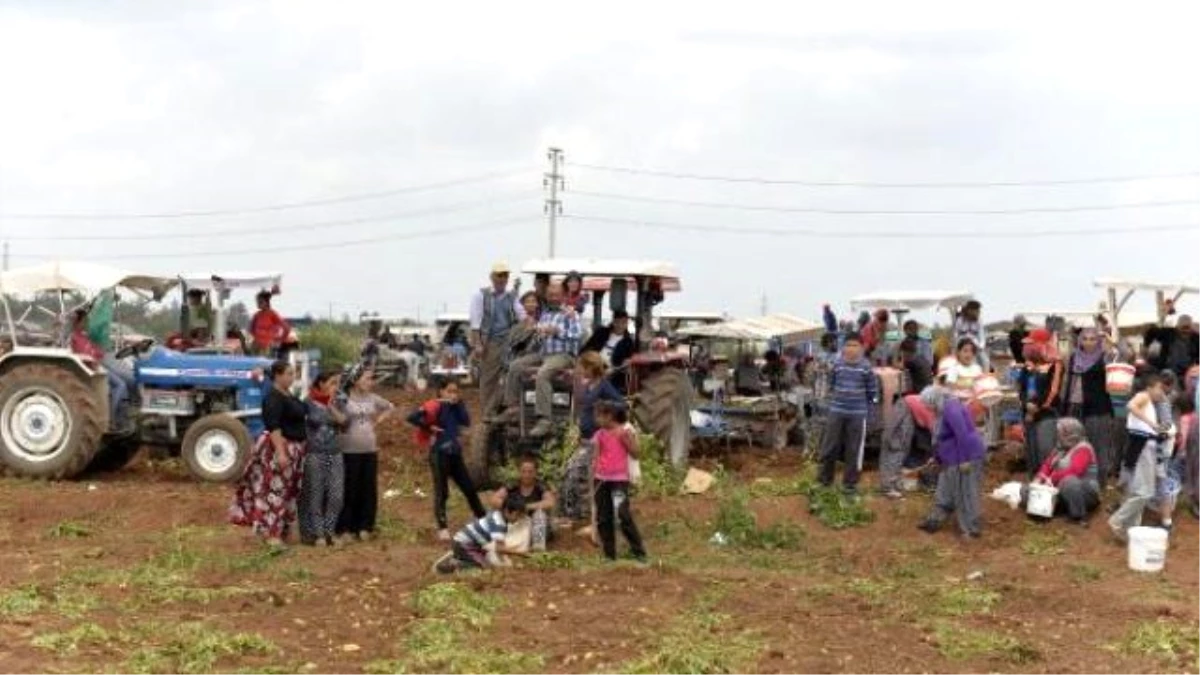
(135, 349)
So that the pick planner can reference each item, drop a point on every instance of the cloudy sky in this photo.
(249, 112)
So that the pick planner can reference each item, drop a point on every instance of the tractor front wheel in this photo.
(51, 422)
(663, 407)
(216, 448)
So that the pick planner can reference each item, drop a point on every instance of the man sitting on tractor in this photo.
(560, 330)
(118, 388)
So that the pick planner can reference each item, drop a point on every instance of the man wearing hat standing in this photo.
(495, 310)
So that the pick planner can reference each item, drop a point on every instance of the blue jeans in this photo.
(118, 392)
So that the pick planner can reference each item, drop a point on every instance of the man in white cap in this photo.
(494, 312)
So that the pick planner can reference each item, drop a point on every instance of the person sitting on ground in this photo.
(538, 499)
(1072, 469)
(267, 329)
(959, 454)
(919, 369)
(615, 345)
(441, 421)
(560, 331)
(471, 545)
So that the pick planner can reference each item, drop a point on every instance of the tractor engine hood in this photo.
(168, 366)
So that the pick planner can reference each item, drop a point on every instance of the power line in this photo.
(887, 212)
(886, 185)
(882, 234)
(208, 232)
(366, 196)
(345, 243)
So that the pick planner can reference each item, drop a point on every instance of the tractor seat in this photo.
(564, 380)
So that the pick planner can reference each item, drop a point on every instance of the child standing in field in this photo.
(615, 445)
(1145, 430)
(852, 390)
(440, 421)
(470, 546)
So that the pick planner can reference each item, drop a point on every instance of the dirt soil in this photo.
(98, 574)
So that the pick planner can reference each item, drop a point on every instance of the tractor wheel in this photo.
(476, 455)
(663, 408)
(117, 452)
(216, 448)
(51, 422)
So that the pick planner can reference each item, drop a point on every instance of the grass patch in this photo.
(1047, 543)
(396, 530)
(69, 529)
(69, 642)
(660, 478)
(21, 601)
(1164, 640)
(1083, 573)
(873, 591)
(738, 525)
(445, 636)
(297, 575)
(257, 561)
(966, 600)
(836, 510)
(960, 644)
(551, 560)
(768, 487)
(700, 640)
(195, 648)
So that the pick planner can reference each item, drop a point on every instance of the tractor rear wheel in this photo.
(216, 448)
(51, 421)
(663, 407)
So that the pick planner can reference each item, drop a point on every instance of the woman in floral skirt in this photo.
(265, 499)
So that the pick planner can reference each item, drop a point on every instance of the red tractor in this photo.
(660, 391)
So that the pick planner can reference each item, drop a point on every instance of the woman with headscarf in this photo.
(1087, 399)
(265, 497)
(1039, 385)
(363, 411)
(958, 451)
(1072, 469)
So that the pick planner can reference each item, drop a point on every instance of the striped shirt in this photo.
(568, 331)
(480, 533)
(852, 387)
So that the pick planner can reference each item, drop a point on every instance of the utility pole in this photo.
(553, 182)
(6, 256)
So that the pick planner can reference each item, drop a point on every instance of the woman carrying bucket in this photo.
(1072, 471)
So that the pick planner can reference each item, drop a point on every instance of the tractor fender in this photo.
(20, 355)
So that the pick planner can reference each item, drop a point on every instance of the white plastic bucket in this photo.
(1041, 500)
(1147, 549)
(1118, 378)
(987, 390)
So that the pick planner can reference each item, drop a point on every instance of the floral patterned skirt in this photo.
(265, 497)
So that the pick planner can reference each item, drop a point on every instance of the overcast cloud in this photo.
(117, 107)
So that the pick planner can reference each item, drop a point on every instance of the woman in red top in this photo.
(267, 328)
(1072, 469)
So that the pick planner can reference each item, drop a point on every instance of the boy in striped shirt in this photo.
(853, 388)
(469, 547)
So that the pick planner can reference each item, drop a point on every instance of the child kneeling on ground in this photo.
(470, 547)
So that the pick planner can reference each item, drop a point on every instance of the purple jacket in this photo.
(957, 440)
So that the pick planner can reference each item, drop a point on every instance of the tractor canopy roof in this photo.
(785, 327)
(452, 317)
(1125, 285)
(87, 277)
(598, 273)
(234, 280)
(911, 300)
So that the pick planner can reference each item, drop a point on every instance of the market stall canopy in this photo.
(760, 329)
(598, 273)
(86, 277)
(911, 300)
(233, 280)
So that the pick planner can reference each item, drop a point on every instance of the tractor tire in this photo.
(118, 451)
(51, 422)
(663, 408)
(216, 448)
(476, 455)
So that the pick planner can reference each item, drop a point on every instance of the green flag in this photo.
(99, 328)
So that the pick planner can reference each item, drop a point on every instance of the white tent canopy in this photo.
(233, 280)
(85, 277)
(1124, 285)
(1083, 318)
(760, 329)
(911, 300)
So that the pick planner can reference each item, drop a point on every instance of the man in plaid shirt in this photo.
(561, 331)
